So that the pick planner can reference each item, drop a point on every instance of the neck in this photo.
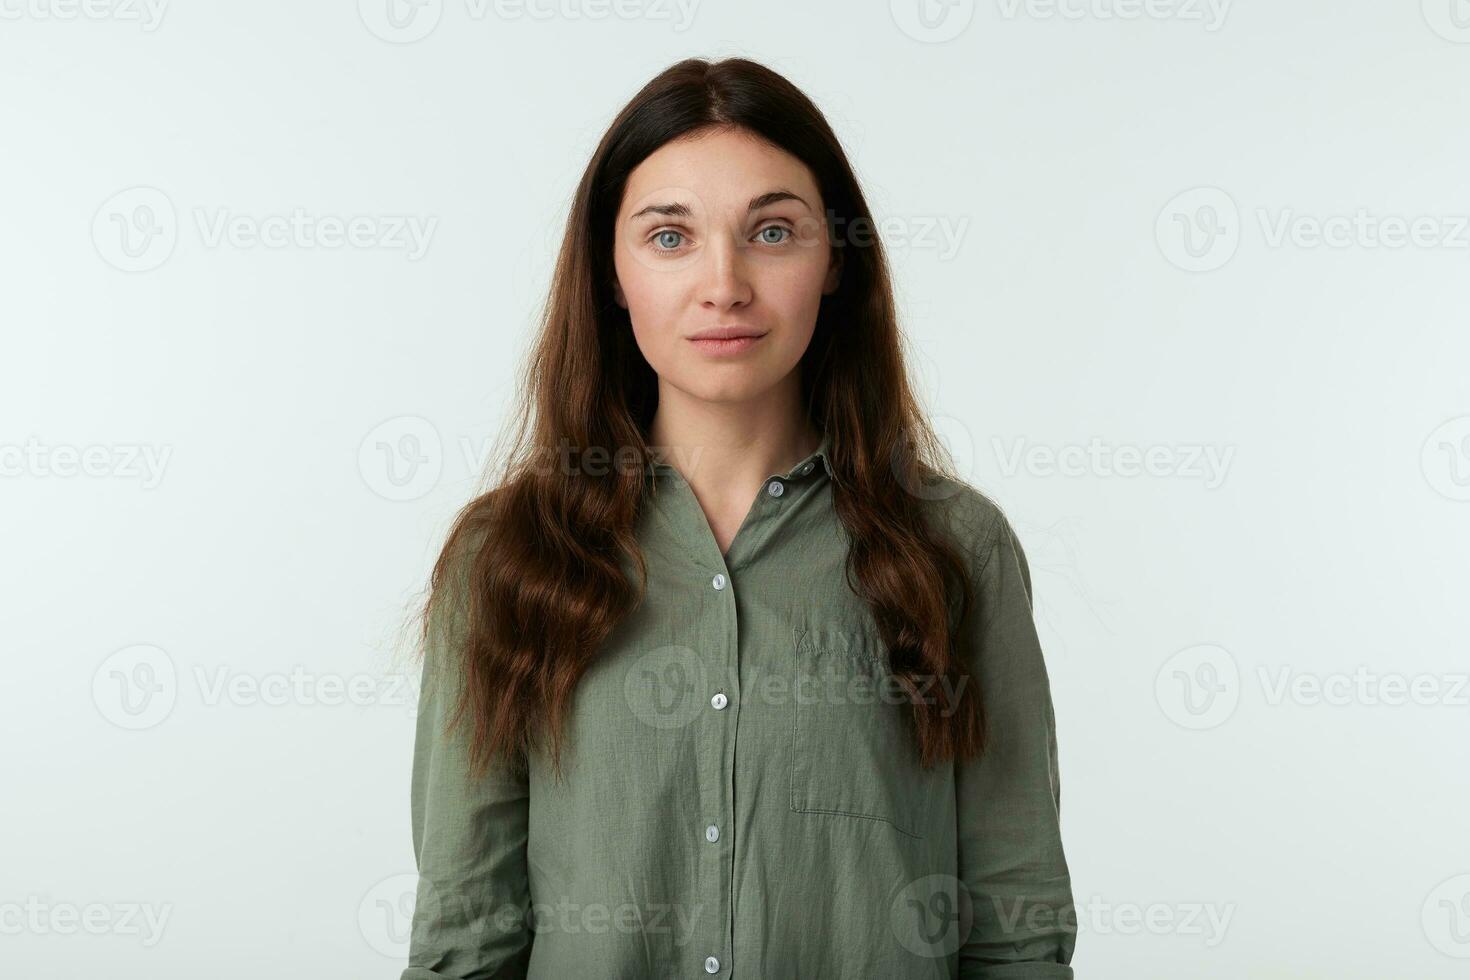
(731, 444)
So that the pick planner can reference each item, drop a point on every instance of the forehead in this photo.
(720, 169)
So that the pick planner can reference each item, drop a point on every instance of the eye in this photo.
(774, 241)
(667, 240)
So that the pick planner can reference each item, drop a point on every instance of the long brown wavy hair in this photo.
(537, 559)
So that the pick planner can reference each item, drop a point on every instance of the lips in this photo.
(727, 333)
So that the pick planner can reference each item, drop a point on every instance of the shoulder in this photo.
(969, 516)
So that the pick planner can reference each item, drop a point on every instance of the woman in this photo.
(727, 676)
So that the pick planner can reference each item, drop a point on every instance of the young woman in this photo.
(728, 675)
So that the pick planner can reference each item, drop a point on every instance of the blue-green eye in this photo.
(665, 245)
(778, 241)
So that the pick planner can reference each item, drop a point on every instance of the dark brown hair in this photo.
(538, 558)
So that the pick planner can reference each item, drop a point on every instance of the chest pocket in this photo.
(853, 752)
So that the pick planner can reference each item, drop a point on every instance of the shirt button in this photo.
(719, 581)
(719, 701)
(712, 833)
(711, 965)
(775, 489)
(806, 469)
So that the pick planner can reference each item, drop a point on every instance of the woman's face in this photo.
(722, 230)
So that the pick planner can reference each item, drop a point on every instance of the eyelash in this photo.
(790, 235)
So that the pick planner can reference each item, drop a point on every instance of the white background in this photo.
(173, 743)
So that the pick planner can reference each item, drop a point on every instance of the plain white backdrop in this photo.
(1185, 284)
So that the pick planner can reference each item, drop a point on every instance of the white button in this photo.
(775, 488)
(711, 965)
(712, 833)
(806, 469)
(719, 701)
(719, 581)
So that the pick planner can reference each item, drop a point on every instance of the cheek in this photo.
(653, 299)
(791, 289)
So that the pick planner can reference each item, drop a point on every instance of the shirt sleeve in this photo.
(1008, 800)
(469, 838)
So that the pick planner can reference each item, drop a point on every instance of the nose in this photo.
(726, 280)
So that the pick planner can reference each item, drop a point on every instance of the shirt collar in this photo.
(822, 452)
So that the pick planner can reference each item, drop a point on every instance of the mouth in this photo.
(726, 340)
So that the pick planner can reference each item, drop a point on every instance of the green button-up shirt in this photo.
(741, 798)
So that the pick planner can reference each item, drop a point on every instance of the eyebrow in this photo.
(679, 210)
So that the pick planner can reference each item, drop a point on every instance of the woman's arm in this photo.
(1009, 834)
(469, 839)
